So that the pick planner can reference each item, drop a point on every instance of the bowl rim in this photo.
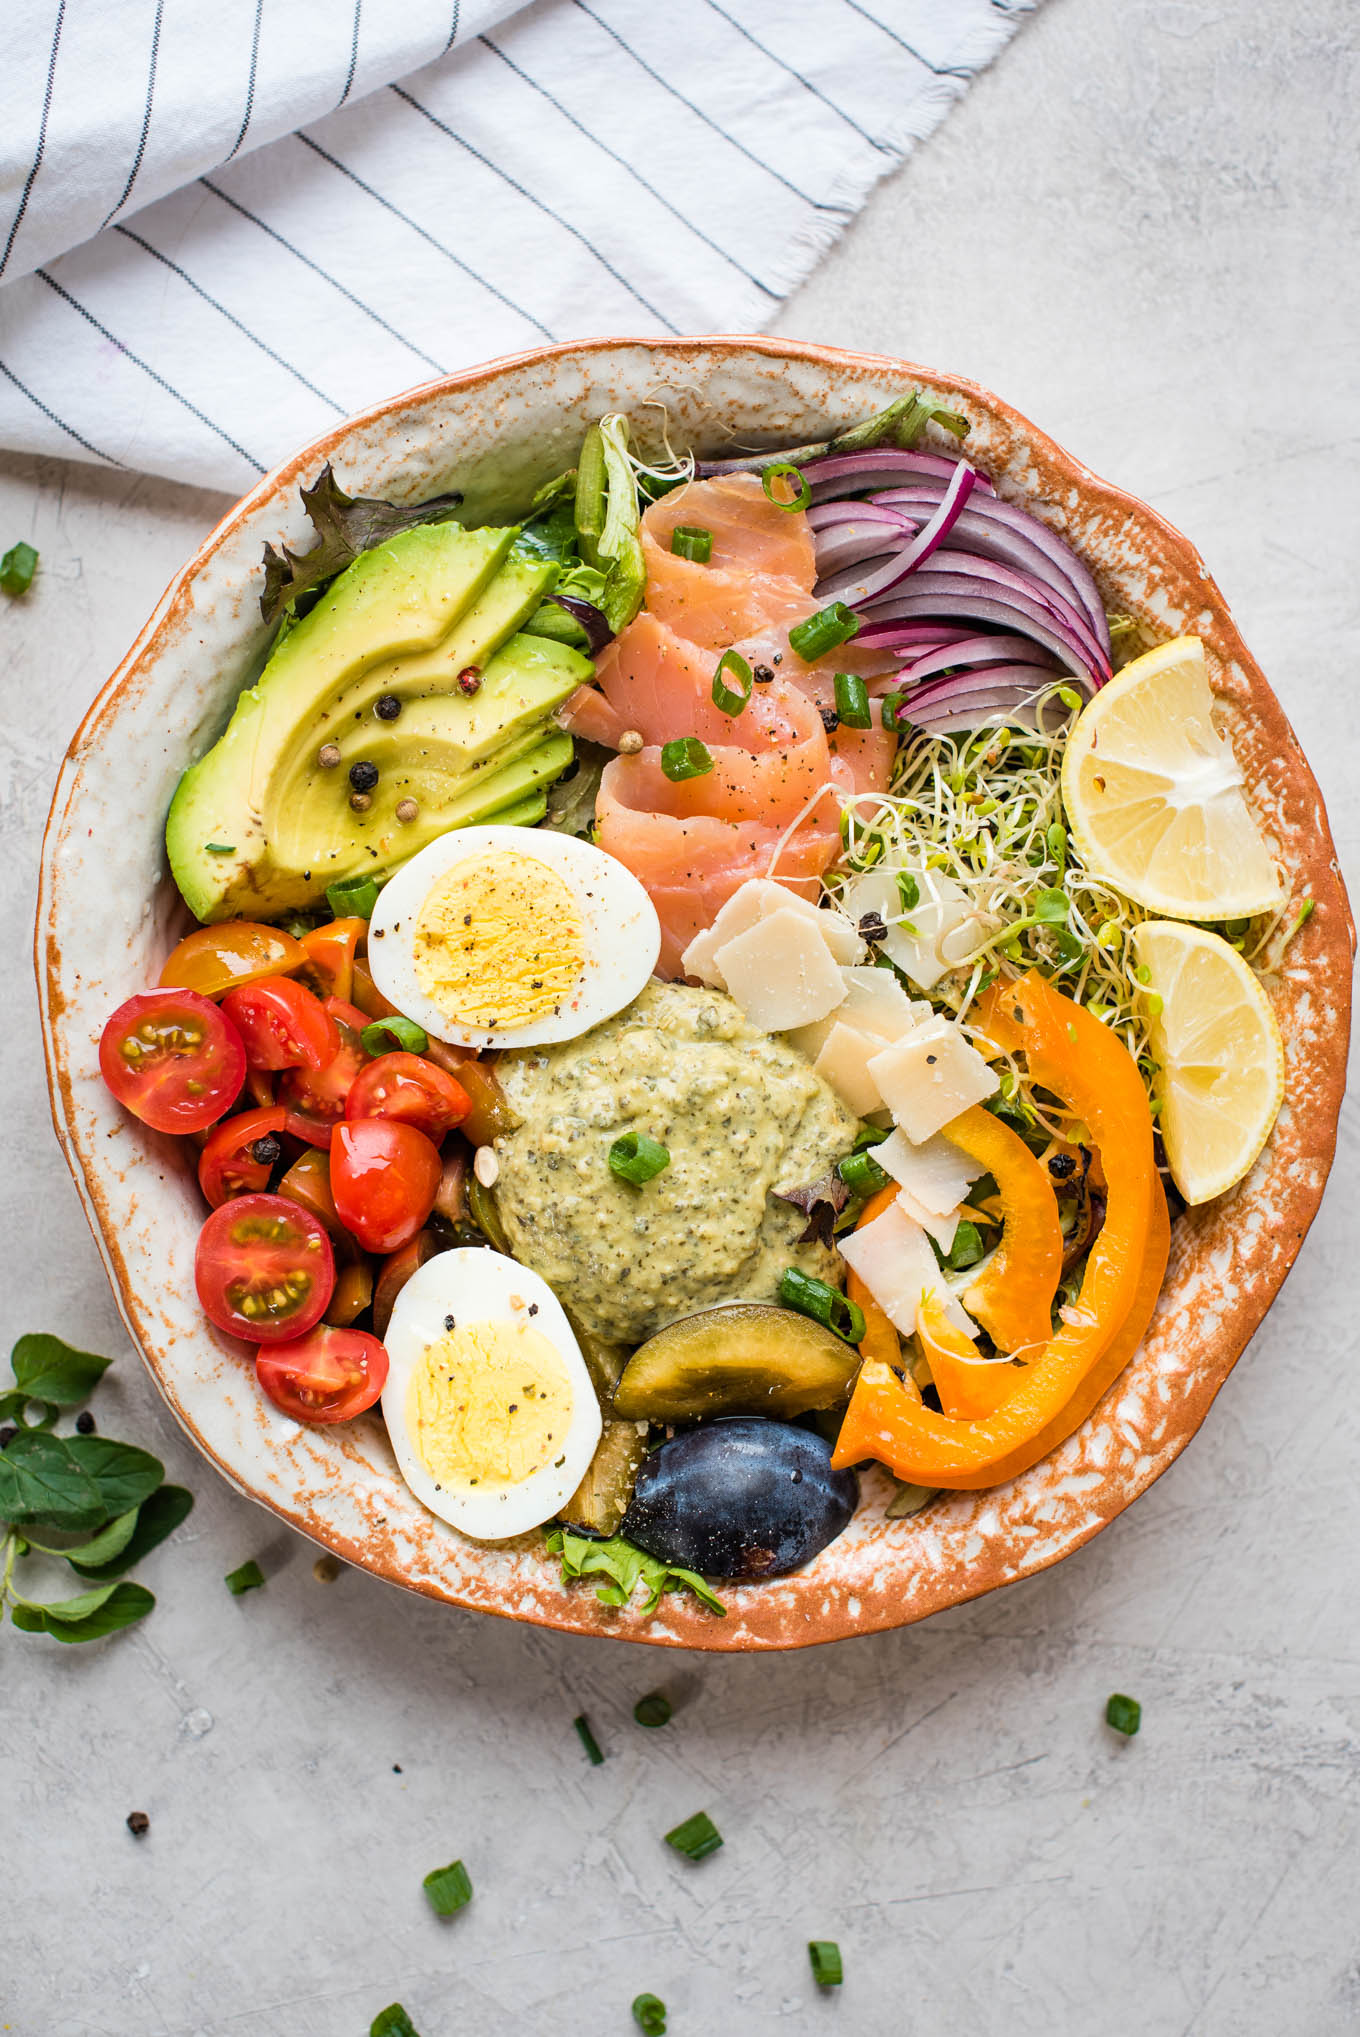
(576, 1612)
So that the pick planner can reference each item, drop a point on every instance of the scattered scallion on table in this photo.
(248, 1578)
(686, 757)
(827, 1967)
(392, 2022)
(817, 634)
(692, 541)
(448, 1888)
(635, 1157)
(17, 568)
(652, 1710)
(649, 2013)
(826, 1305)
(1125, 1714)
(588, 1741)
(696, 1838)
(388, 1034)
(852, 701)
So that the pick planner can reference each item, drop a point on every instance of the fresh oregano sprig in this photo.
(84, 1499)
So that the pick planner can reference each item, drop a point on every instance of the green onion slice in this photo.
(248, 1578)
(448, 1888)
(817, 634)
(649, 2013)
(17, 568)
(686, 757)
(696, 1838)
(723, 696)
(220, 848)
(635, 1157)
(825, 1305)
(825, 1955)
(692, 541)
(588, 1740)
(353, 897)
(392, 2022)
(852, 701)
(387, 1035)
(652, 1710)
(1125, 1714)
(784, 470)
(869, 1135)
(862, 1174)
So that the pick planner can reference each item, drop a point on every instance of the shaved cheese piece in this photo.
(936, 1175)
(943, 1229)
(759, 898)
(913, 940)
(876, 1002)
(892, 1256)
(844, 1062)
(928, 1078)
(780, 972)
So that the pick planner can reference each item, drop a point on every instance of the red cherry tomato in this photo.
(238, 1159)
(327, 1376)
(415, 1091)
(264, 1269)
(384, 1177)
(282, 1024)
(330, 956)
(315, 1098)
(172, 1059)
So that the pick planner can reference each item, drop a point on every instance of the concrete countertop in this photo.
(1141, 227)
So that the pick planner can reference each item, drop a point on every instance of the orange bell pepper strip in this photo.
(331, 949)
(1090, 1069)
(1012, 1296)
(967, 1383)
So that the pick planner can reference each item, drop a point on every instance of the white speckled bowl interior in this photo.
(497, 432)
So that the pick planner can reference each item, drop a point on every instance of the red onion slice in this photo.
(971, 574)
(826, 516)
(592, 619)
(963, 652)
(957, 602)
(850, 473)
(969, 687)
(859, 586)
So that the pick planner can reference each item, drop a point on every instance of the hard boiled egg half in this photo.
(488, 1402)
(511, 937)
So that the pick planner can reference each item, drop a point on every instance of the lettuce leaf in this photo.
(624, 1567)
(345, 526)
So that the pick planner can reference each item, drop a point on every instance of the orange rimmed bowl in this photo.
(498, 432)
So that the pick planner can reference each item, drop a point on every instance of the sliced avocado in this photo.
(521, 813)
(405, 620)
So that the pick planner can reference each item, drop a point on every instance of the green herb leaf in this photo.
(249, 1577)
(43, 1483)
(1125, 1714)
(17, 568)
(649, 2013)
(686, 757)
(588, 1741)
(817, 634)
(47, 1369)
(14, 1407)
(346, 525)
(652, 1710)
(636, 1158)
(448, 1888)
(824, 1304)
(696, 1838)
(392, 2021)
(784, 472)
(105, 1547)
(869, 1135)
(353, 897)
(966, 1249)
(124, 1475)
(725, 698)
(1051, 907)
(825, 1956)
(625, 1566)
(691, 541)
(908, 890)
(852, 700)
(153, 1521)
(389, 1035)
(117, 1605)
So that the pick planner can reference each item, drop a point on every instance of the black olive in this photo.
(363, 776)
(387, 707)
(873, 928)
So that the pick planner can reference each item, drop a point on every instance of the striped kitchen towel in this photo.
(226, 224)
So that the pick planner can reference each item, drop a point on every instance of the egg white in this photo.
(476, 1285)
(622, 934)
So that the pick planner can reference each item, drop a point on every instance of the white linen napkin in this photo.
(224, 227)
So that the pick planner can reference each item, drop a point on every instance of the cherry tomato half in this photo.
(264, 1269)
(282, 1024)
(171, 1058)
(384, 1177)
(240, 1155)
(394, 1273)
(328, 1376)
(415, 1091)
(315, 1098)
(213, 959)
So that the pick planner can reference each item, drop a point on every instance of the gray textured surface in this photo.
(1141, 227)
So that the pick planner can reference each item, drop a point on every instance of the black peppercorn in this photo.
(387, 707)
(85, 1423)
(830, 719)
(138, 1824)
(1062, 1164)
(265, 1151)
(873, 928)
(762, 674)
(363, 776)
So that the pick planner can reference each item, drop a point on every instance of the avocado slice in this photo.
(404, 620)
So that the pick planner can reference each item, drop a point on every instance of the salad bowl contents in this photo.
(738, 932)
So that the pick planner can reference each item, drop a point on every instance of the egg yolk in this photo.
(489, 1404)
(499, 941)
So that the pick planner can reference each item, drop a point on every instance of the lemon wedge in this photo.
(1154, 796)
(1220, 1055)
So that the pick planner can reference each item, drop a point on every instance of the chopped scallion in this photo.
(724, 697)
(826, 1305)
(395, 1034)
(825, 1955)
(686, 757)
(852, 701)
(862, 1174)
(817, 634)
(17, 568)
(637, 1158)
(784, 470)
(220, 848)
(692, 541)
(868, 1135)
(1125, 1714)
(248, 1578)
(696, 1838)
(652, 1710)
(649, 2013)
(448, 1888)
(392, 2022)
(353, 897)
(588, 1740)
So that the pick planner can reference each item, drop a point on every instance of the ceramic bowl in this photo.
(497, 432)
